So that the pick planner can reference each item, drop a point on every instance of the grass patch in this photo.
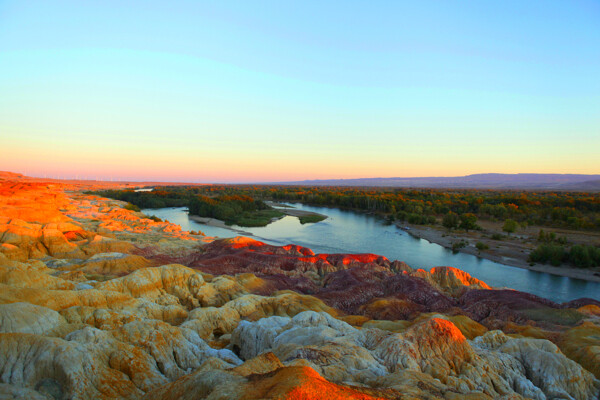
(310, 219)
(255, 218)
(566, 316)
(132, 207)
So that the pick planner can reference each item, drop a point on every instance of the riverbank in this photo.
(217, 223)
(513, 251)
(347, 232)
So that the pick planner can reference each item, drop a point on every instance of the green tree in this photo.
(468, 221)
(481, 246)
(450, 220)
(548, 253)
(510, 226)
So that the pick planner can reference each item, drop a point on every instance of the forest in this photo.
(572, 210)
(240, 210)
(452, 209)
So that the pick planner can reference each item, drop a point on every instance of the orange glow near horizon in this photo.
(162, 160)
(240, 94)
(139, 167)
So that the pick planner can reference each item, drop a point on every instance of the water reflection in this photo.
(349, 232)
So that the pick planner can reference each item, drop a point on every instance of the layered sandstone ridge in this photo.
(99, 302)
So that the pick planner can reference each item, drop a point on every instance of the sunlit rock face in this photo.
(494, 363)
(99, 302)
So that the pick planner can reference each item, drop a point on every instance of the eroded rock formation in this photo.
(99, 302)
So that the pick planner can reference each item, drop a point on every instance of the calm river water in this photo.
(350, 232)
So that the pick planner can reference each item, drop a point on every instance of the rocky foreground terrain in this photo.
(99, 302)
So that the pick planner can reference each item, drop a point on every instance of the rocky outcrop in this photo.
(582, 344)
(213, 322)
(263, 377)
(28, 318)
(493, 364)
(109, 264)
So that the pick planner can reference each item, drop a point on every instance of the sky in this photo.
(225, 91)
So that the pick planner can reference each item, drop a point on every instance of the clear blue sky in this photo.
(247, 91)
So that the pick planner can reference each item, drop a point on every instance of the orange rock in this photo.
(452, 281)
(31, 275)
(590, 309)
(290, 383)
(302, 383)
(110, 264)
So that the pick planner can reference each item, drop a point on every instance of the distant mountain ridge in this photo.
(574, 182)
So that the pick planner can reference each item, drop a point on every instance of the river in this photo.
(351, 232)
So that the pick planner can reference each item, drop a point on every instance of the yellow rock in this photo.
(582, 344)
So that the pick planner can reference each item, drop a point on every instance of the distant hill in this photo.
(10, 175)
(575, 182)
(587, 186)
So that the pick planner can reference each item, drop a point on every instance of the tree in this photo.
(468, 221)
(542, 236)
(481, 246)
(450, 220)
(510, 226)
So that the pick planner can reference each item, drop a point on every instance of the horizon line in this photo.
(110, 179)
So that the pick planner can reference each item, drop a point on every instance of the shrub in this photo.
(131, 207)
(417, 219)
(481, 246)
(549, 254)
(459, 245)
(584, 256)
(551, 238)
(510, 226)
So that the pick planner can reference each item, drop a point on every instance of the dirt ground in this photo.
(513, 249)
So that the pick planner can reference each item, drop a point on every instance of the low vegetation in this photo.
(240, 210)
(459, 245)
(131, 207)
(481, 246)
(309, 219)
(456, 210)
(556, 250)
(510, 226)
(580, 256)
